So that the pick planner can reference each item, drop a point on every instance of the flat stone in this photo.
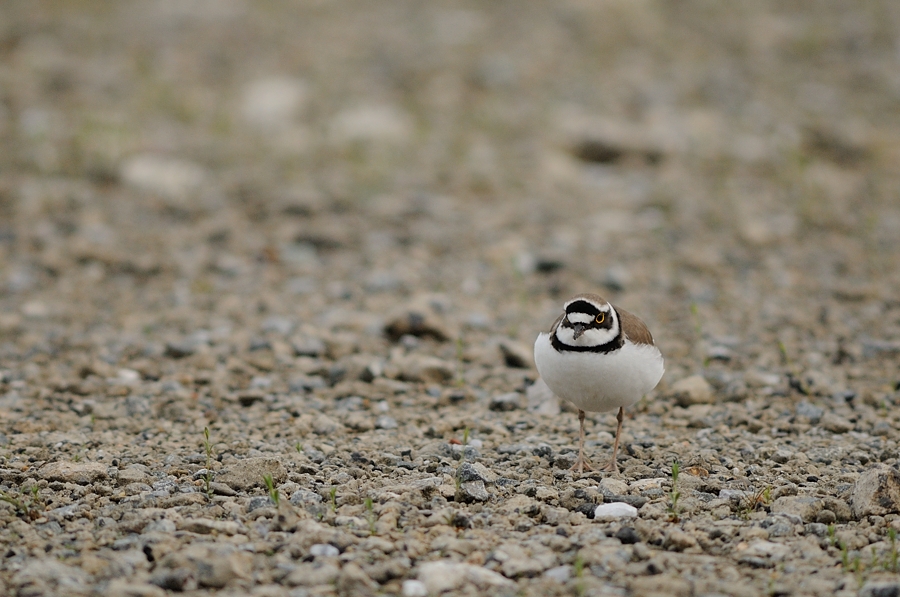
(248, 473)
(835, 424)
(506, 402)
(806, 507)
(206, 526)
(443, 576)
(82, 473)
(876, 492)
(212, 565)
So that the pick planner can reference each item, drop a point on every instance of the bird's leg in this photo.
(581, 463)
(613, 466)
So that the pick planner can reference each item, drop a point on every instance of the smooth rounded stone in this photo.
(506, 402)
(169, 177)
(353, 580)
(804, 507)
(835, 424)
(273, 102)
(826, 517)
(81, 473)
(414, 588)
(541, 400)
(212, 565)
(842, 510)
(614, 511)
(443, 576)
(325, 425)
(876, 492)
(324, 550)
(174, 579)
(248, 473)
(692, 390)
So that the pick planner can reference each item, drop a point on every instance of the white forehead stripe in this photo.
(580, 317)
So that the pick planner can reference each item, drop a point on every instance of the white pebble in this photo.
(414, 588)
(614, 510)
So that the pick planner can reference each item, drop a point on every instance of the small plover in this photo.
(598, 357)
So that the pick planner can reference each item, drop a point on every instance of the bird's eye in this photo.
(600, 318)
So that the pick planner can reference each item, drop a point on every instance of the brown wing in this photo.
(634, 328)
(556, 323)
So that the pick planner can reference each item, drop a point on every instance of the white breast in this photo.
(599, 381)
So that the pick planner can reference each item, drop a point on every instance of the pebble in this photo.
(541, 400)
(324, 550)
(876, 492)
(835, 423)
(762, 553)
(248, 473)
(443, 576)
(414, 588)
(692, 390)
(82, 473)
(614, 511)
(506, 402)
(804, 507)
(273, 102)
(171, 178)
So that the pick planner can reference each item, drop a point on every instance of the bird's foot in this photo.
(611, 467)
(581, 464)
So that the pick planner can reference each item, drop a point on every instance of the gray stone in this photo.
(692, 390)
(304, 497)
(248, 473)
(876, 492)
(560, 574)
(212, 565)
(48, 576)
(805, 507)
(475, 471)
(541, 400)
(810, 411)
(763, 553)
(443, 576)
(835, 424)
(506, 402)
(472, 491)
(880, 589)
(82, 473)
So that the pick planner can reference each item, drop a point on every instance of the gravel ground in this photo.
(309, 245)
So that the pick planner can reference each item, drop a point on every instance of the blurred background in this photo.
(728, 172)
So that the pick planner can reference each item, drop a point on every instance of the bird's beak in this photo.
(579, 329)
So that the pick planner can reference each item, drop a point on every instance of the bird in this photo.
(599, 357)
